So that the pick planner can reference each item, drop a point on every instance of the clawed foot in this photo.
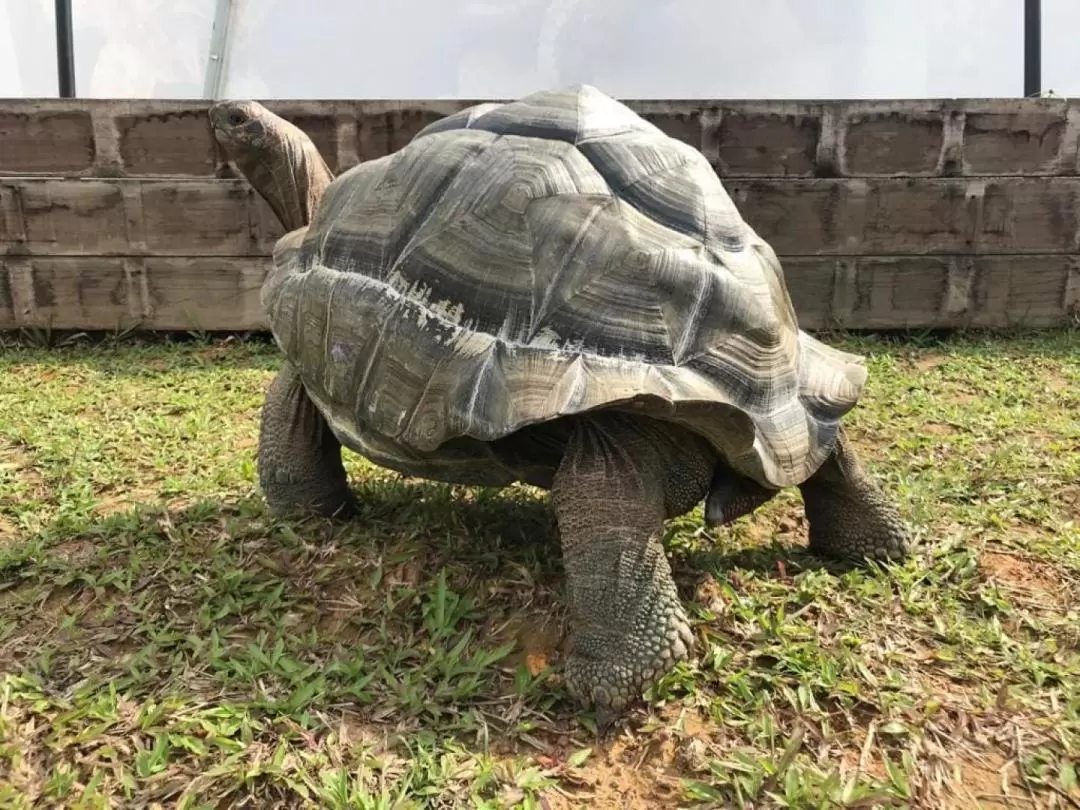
(850, 516)
(609, 671)
(864, 528)
(285, 495)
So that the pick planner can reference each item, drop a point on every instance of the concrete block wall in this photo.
(913, 214)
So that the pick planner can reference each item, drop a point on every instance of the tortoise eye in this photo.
(236, 118)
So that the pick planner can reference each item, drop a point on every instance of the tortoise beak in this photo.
(218, 114)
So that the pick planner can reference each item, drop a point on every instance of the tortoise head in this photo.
(276, 157)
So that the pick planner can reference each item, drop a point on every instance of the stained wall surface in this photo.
(885, 214)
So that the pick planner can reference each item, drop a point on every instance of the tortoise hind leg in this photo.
(619, 478)
(732, 496)
(299, 459)
(850, 516)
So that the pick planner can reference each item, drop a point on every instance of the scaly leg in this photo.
(849, 514)
(299, 460)
(620, 477)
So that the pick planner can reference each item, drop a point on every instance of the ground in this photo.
(165, 643)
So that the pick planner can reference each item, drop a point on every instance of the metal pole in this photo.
(219, 50)
(65, 50)
(1032, 48)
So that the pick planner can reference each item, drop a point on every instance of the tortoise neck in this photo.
(292, 178)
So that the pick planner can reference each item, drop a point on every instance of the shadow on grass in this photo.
(773, 561)
(429, 600)
(419, 610)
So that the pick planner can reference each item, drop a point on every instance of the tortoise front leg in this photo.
(850, 516)
(299, 458)
(619, 478)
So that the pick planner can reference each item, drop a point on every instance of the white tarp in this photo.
(505, 48)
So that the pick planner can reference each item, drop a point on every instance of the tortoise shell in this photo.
(518, 263)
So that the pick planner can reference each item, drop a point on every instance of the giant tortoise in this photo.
(551, 291)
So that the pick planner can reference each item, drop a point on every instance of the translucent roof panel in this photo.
(506, 48)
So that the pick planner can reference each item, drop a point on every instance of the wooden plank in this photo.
(872, 292)
(818, 217)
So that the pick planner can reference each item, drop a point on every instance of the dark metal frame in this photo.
(1032, 48)
(65, 49)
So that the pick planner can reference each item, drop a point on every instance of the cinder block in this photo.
(682, 126)
(928, 216)
(404, 124)
(895, 143)
(767, 144)
(46, 141)
(205, 293)
(799, 218)
(198, 218)
(323, 131)
(899, 292)
(1012, 143)
(72, 216)
(266, 225)
(373, 135)
(8, 319)
(810, 283)
(1029, 214)
(178, 143)
(1020, 289)
(74, 293)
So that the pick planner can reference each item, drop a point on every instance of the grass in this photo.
(166, 643)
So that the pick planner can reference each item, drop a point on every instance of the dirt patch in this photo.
(8, 530)
(625, 775)
(1055, 381)
(114, 505)
(928, 362)
(15, 460)
(218, 351)
(963, 397)
(538, 644)
(1026, 576)
(786, 523)
(947, 688)
(634, 770)
(1070, 500)
(854, 762)
(980, 785)
(75, 550)
(354, 731)
(939, 429)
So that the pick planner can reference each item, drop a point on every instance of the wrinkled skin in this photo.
(620, 476)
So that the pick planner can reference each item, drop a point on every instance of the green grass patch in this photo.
(164, 642)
